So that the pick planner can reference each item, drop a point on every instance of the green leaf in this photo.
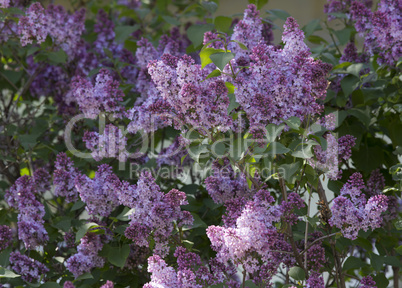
(232, 104)
(223, 23)
(241, 45)
(353, 263)
(288, 170)
(197, 151)
(198, 223)
(50, 285)
(399, 250)
(348, 84)
(123, 32)
(258, 3)
(392, 261)
(215, 73)
(84, 276)
(277, 148)
(118, 255)
(84, 229)
(293, 122)
(396, 172)
(311, 27)
(196, 33)
(363, 116)
(279, 14)
(250, 284)
(381, 280)
(376, 261)
(304, 150)
(5, 273)
(210, 6)
(171, 20)
(238, 148)
(343, 35)
(274, 131)
(77, 205)
(205, 55)
(28, 141)
(339, 15)
(57, 57)
(297, 273)
(218, 149)
(230, 86)
(221, 59)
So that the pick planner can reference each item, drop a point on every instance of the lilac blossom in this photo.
(194, 101)
(104, 96)
(315, 280)
(108, 284)
(224, 184)
(367, 282)
(99, 193)
(30, 270)
(330, 159)
(64, 178)
(68, 284)
(380, 29)
(110, 144)
(343, 6)
(153, 212)
(86, 257)
(251, 242)
(282, 83)
(23, 196)
(4, 3)
(352, 212)
(6, 237)
(33, 26)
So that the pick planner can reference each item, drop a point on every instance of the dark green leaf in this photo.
(288, 170)
(377, 261)
(381, 280)
(233, 104)
(343, 35)
(223, 23)
(297, 273)
(118, 255)
(50, 285)
(84, 276)
(293, 122)
(58, 57)
(210, 6)
(353, 263)
(241, 45)
(277, 148)
(171, 20)
(84, 229)
(77, 205)
(311, 27)
(123, 32)
(348, 84)
(278, 13)
(196, 33)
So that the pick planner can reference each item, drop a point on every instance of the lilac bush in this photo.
(160, 145)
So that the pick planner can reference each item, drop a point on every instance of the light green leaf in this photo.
(277, 148)
(279, 14)
(210, 6)
(274, 131)
(84, 229)
(293, 122)
(205, 55)
(215, 73)
(221, 59)
(5, 273)
(311, 27)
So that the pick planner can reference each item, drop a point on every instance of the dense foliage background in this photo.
(157, 144)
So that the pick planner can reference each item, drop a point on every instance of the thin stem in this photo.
(306, 233)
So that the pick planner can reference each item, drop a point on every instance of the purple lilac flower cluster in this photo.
(381, 29)
(87, 257)
(30, 269)
(172, 156)
(99, 193)
(64, 178)
(335, 6)
(24, 196)
(152, 212)
(224, 184)
(64, 29)
(329, 160)
(193, 99)
(367, 282)
(6, 237)
(4, 3)
(110, 144)
(352, 212)
(145, 115)
(281, 83)
(190, 271)
(104, 96)
(252, 241)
